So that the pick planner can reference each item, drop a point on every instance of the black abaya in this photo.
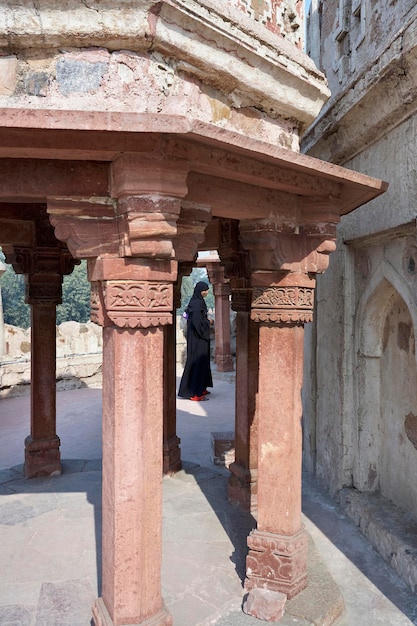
(197, 373)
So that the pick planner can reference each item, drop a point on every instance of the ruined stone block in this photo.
(265, 604)
(223, 448)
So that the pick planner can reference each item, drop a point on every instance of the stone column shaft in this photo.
(277, 557)
(222, 356)
(132, 488)
(282, 302)
(279, 431)
(221, 289)
(42, 456)
(44, 261)
(171, 448)
(242, 487)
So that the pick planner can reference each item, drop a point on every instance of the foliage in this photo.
(75, 298)
(16, 312)
(75, 305)
(188, 284)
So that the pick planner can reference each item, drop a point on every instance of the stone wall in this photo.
(360, 381)
(79, 356)
(355, 364)
(349, 39)
(132, 64)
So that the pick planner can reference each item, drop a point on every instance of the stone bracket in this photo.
(291, 247)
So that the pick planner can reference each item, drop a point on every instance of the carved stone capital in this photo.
(288, 300)
(234, 258)
(292, 248)
(42, 288)
(216, 275)
(44, 263)
(149, 190)
(191, 226)
(277, 562)
(148, 225)
(138, 226)
(241, 300)
(131, 304)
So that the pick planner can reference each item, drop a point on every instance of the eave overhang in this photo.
(42, 155)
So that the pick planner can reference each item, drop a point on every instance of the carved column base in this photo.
(101, 617)
(172, 455)
(42, 457)
(224, 362)
(242, 487)
(277, 562)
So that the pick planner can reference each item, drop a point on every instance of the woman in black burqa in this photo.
(197, 373)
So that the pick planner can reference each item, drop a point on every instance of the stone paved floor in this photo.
(50, 530)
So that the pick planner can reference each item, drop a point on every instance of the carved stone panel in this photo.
(283, 304)
(131, 304)
(277, 562)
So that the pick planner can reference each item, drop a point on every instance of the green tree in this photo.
(75, 305)
(16, 312)
(75, 297)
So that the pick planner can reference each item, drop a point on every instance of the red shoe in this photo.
(205, 392)
(198, 398)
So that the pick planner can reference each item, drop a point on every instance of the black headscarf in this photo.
(197, 300)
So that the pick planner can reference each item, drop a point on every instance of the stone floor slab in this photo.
(201, 579)
(16, 615)
(65, 604)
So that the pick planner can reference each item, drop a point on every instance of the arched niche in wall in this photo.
(386, 389)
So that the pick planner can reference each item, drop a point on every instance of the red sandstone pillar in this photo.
(283, 265)
(133, 298)
(42, 455)
(132, 487)
(242, 487)
(277, 558)
(171, 443)
(44, 264)
(221, 289)
(134, 314)
(132, 271)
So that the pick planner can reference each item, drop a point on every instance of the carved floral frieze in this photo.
(282, 304)
(131, 304)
